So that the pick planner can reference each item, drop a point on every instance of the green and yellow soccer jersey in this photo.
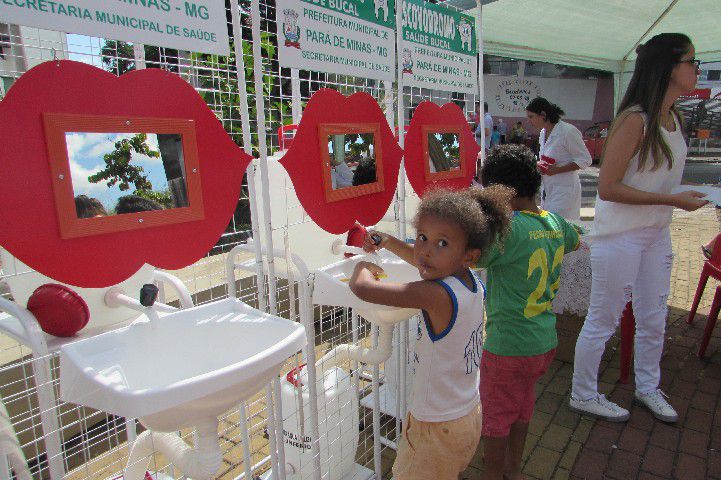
(523, 274)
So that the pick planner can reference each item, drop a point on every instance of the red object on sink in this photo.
(355, 238)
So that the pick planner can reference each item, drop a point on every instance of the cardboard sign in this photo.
(193, 25)
(348, 37)
(438, 49)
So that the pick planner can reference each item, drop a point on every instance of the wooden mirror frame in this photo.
(444, 175)
(57, 125)
(326, 129)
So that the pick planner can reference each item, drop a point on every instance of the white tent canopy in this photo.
(600, 34)
(596, 33)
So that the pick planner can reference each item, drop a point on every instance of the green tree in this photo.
(118, 57)
(162, 197)
(118, 168)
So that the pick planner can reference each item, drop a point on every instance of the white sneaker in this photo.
(660, 408)
(599, 407)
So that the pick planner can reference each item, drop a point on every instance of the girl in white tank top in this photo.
(631, 255)
(453, 229)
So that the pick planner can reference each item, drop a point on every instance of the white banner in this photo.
(193, 25)
(509, 96)
(348, 37)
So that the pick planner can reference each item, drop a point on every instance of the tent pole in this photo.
(645, 34)
(481, 93)
(618, 88)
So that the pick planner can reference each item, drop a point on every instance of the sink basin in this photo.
(331, 287)
(190, 365)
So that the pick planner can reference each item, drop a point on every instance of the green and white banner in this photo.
(193, 25)
(439, 48)
(349, 37)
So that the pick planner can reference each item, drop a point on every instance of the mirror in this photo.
(442, 152)
(119, 173)
(351, 159)
(113, 174)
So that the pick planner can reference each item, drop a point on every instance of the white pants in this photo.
(639, 262)
(565, 200)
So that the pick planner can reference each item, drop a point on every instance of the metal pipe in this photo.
(248, 148)
(263, 149)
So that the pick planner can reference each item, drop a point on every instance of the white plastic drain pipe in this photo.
(200, 463)
(10, 447)
(372, 356)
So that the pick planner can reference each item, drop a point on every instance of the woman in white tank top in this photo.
(631, 253)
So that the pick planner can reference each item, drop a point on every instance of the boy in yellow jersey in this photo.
(523, 273)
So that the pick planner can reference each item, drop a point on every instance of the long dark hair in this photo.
(651, 77)
(540, 105)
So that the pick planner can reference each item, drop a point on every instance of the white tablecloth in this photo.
(574, 289)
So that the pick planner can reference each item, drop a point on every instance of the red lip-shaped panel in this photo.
(27, 206)
(305, 166)
(430, 117)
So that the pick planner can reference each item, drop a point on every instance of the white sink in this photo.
(189, 366)
(331, 287)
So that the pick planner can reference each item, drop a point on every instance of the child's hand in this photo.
(372, 268)
(365, 273)
(374, 241)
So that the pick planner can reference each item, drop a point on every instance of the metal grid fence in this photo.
(94, 444)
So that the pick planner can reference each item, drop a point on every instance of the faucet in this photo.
(116, 297)
(148, 295)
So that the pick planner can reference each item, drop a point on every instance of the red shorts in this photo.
(508, 389)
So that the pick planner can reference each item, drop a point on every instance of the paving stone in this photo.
(682, 388)
(549, 402)
(602, 439)
(590, 465)
(694, 443)
(583, 429)
(658, 461)
(623, 464)
(561, 474)
(542, 462)
(710, 385)
(633, 440)
(716, 437)
(665, 436)
(556, 437)
(690, 467)
(714, 464)
(698, 420)
(565, 371)
(560, 386)
(569, 455)
(566, 417)
(704, 402)
(539, 422)
(649, 476)
(641, 418)
(531, 442)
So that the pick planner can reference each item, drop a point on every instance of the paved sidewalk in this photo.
(563, 444)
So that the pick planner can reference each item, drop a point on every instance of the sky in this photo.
(85, 154)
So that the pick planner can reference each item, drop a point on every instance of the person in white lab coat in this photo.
(562, 155)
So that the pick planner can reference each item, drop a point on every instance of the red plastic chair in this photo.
(286, 133)
(628, 330)
(711, 268)
(711, 322)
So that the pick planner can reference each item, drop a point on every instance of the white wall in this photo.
(509, 96)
